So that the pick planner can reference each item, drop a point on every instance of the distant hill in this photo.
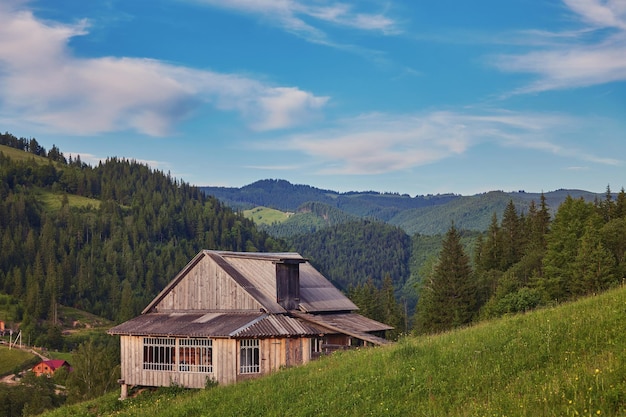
(424, 214)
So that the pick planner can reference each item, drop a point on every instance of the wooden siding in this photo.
(274, 353)
(207, 287)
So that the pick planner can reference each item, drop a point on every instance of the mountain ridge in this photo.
(425, 214)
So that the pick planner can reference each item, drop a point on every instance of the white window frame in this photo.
(249, 356)
(182, 355)
(159, 353)
(195, 355)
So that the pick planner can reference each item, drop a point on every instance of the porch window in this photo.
(195, 355)
(158, 353)
(249, 356)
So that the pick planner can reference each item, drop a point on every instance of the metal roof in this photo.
(186, 324)
(317, 294)
(216, 324)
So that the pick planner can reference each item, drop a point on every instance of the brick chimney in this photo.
(288, 283)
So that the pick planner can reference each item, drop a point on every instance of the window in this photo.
(317, 347)
(182, 355)
(249, 356)
(195, 355)
(158, 353)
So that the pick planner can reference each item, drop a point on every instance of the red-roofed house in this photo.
(50, 367)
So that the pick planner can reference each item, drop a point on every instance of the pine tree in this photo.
(510, 230)
(562, 247)
(594, 266)
(448, 297)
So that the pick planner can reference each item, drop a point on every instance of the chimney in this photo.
(288, 283)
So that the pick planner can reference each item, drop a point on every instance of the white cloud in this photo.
(600, 13)
(381, 143)
(43, 83)
(300, 16)
(595, 54)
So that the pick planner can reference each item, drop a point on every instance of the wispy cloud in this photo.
(380, 143)
(43, 83)
(594, 54)
(303, 18)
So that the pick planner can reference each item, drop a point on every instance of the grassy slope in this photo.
(51, 200)
(11, 359)
(570, 360)
(265, 215)
(20, 155)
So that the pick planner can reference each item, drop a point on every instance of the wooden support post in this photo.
(124, 391)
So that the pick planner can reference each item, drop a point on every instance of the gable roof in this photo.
(255, 273)
(55, 364)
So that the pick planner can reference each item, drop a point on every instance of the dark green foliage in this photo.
(309, 218)
(380, 304)
(350, 253)
(32, 396)
(95, 369)
(110, 258)
(448, 296)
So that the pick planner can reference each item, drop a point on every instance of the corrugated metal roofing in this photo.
(317, 294)
(216, 324)
(212, 324)
(276, 326)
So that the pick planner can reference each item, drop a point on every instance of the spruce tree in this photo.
(448, 297)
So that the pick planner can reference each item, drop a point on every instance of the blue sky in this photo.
(392, 96)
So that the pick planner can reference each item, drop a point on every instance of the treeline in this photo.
(31, 146)
(310, 217)
(525, 261)
(351, 253)
(110, 258)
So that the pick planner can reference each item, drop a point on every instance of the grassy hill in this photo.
(19, 155)
(565, 361)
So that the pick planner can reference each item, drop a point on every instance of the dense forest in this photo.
(525, 261)
(133, 230)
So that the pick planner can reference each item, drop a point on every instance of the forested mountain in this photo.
(423, 214)
(308, 218)
(355, 251)
(104, 239)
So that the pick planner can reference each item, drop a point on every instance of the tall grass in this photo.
(565, 361)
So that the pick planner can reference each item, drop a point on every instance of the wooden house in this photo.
(229, 316)
(49, 367)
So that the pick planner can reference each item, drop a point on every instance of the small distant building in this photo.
(50, 367)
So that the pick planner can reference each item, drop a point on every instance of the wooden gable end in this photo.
(205, 285)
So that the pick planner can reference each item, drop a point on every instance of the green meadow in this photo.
(15, 359)
(266, 215)
(564, 361)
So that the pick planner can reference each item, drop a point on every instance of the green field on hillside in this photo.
(54, 201)
(20, 155)
(565, 361)
(264, 215)
(13, 359)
